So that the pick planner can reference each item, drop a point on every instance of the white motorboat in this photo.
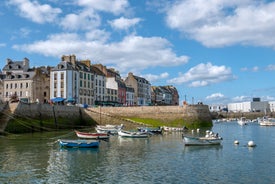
(242, 121)
(267, 122)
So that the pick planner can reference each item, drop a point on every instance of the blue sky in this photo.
(213, 51)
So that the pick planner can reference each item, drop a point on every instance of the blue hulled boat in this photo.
(78, 143)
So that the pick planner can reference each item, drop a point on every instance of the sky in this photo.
(214, 51)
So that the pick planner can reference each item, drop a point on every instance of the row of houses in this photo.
(80, 82)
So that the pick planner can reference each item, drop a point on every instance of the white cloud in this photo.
(133, 53)
(123, 23)
(224, 22)
(270, 67)
(215, 96)
(241, 99)
(113, 6)
(36, 12)
(2, 45)
(86, 20)
(153, 78)
(204, 75)
(253, 69)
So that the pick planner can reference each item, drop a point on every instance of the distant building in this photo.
(254, 106)
(20, 82)
(218, 108)
(142, 89)
(272, 106)
(164, 95)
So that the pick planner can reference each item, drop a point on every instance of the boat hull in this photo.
(86, 135)
(133, 134)
(201, 141)
(78, 143)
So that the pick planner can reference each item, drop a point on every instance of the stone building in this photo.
(164, 95)
(115, 86)
(99, 86)
(73, 80)
(142, 89)
(20, 82)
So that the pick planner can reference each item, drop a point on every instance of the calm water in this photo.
(37, 158)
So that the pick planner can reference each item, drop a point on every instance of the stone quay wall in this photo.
(47, 111)
(106, 115)
(187, 112)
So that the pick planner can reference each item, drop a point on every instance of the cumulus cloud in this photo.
(36, 12)
(225, 22)
(153, 78)
(241, 98)
(204, 75)
(123, 23)
(113, 6)
(133, 53)
(215, 96)
(85, 20)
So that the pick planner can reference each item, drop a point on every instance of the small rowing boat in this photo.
(81, 143)
(123, 133)
(89, 135)
(209, 139)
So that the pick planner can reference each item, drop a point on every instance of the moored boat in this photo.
(157, 130)
(81, 143)
(209, 139)
(129, 134)
(267, 122)
(113, 129)
(242, 121)
(174, 129)
(89, 135)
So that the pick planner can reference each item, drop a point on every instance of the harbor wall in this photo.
(104, 115)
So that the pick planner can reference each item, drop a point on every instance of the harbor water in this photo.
(37, 158)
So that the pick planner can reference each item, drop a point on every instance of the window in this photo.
(81, 83)
(55, 85)
(21, 85)
(55, 76)
(84, 75)
(7, 86)
(15, 85)
(27, 85)
(11, 85)
(62, 75)
(20, 93)
(45, 94)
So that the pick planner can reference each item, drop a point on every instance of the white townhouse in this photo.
(130, 96)
(112, 89)
(73, 80)
(99, 89)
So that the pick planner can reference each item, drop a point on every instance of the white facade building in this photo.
(73, 81)
(272, 106)
(249, 107)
